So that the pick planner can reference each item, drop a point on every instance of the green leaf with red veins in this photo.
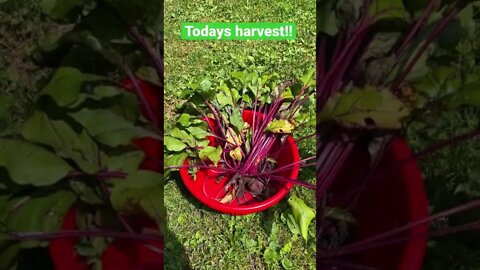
(236, 119)
(197, 132)
(109, 128)
(438, 82)
(388, 9)
(41, 214)
(246, 98)
(173, 144)
(39, 128)
(28, 164)
(127, 106)
(98, 93)
(427, 86)
(152, 205)
(203, 143)
(66, 85)
(175, 160)
(63, 139)
(184, 119)
(126, 162)
(184, 136)
(85, 153)
(280, 127)
(3, 203)
(123, 137)
(141, 191)
(211, 153)
(103, 23)
(86, 39)
(452, 35)
(241, 76)
(308, 79)
(363, 107)
(415, 5)
(287, 96)
(8, 255)
(224, 97)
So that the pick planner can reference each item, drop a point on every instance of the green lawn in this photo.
(198, 237)
(21, 27)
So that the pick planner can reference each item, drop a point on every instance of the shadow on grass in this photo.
(175, 254)
(175, 177)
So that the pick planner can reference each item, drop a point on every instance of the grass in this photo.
(199, 238)
(187, 61)
(21, 28)
(214, 241)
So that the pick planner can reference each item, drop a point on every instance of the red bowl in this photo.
(387, 203)
(207, 191)
(121, 254)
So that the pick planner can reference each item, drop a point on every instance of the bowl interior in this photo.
(121, 254)
(206, 189)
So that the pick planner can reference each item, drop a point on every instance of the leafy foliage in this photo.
(405, 80)
(141, 191)
(233, 140)
(40, 214)
(211, 153)
(109, 128)
(366, 107)
(81, 134)
(66, 85)
(230, 96)
(383, 65)
(44, 168)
